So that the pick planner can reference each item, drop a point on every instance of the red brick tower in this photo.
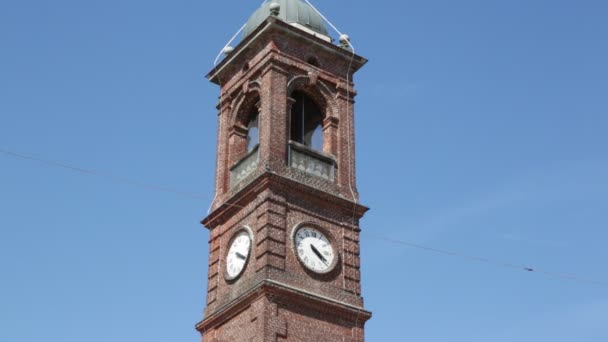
(284, 248)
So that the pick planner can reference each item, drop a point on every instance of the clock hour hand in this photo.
(240, 256)
(316, 251)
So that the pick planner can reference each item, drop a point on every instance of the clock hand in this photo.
(316, 251)
(240, 256)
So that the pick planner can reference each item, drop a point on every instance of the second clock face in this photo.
(314, 249)
(238, 255)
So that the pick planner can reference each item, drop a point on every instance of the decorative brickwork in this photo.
(276, 298)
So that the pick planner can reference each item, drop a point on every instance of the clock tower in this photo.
(284, 260)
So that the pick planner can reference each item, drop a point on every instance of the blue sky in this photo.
(481, 126)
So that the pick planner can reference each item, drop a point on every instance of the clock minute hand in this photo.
(316, 251)
(240, 256)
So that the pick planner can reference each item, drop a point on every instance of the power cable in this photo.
(108, 176)
(525, 268)
(445, 252)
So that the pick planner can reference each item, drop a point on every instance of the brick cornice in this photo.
(239, 131)
(270, 60)
(265, 31)
(331, 121)
(270, 180)
(279, 292)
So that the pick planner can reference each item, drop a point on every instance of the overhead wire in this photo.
(470, 257)
(151, 186)
(100, 174)
(445, 252)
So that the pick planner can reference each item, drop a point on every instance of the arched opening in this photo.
(244, 141)
(306, 122)
(308, 152)
(253, 130)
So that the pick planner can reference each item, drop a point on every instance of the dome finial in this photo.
(345, 41)
(293, 12)
(275, 8)
(227, 50)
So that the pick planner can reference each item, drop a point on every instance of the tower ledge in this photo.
(234, 61)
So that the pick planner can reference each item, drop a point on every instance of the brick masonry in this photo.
(276, 298)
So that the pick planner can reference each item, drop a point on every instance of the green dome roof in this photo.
(292, 12)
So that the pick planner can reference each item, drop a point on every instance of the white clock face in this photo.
(314, 250)
(238, 255)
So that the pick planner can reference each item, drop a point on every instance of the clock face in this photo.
(238, 255)
(314, 250)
